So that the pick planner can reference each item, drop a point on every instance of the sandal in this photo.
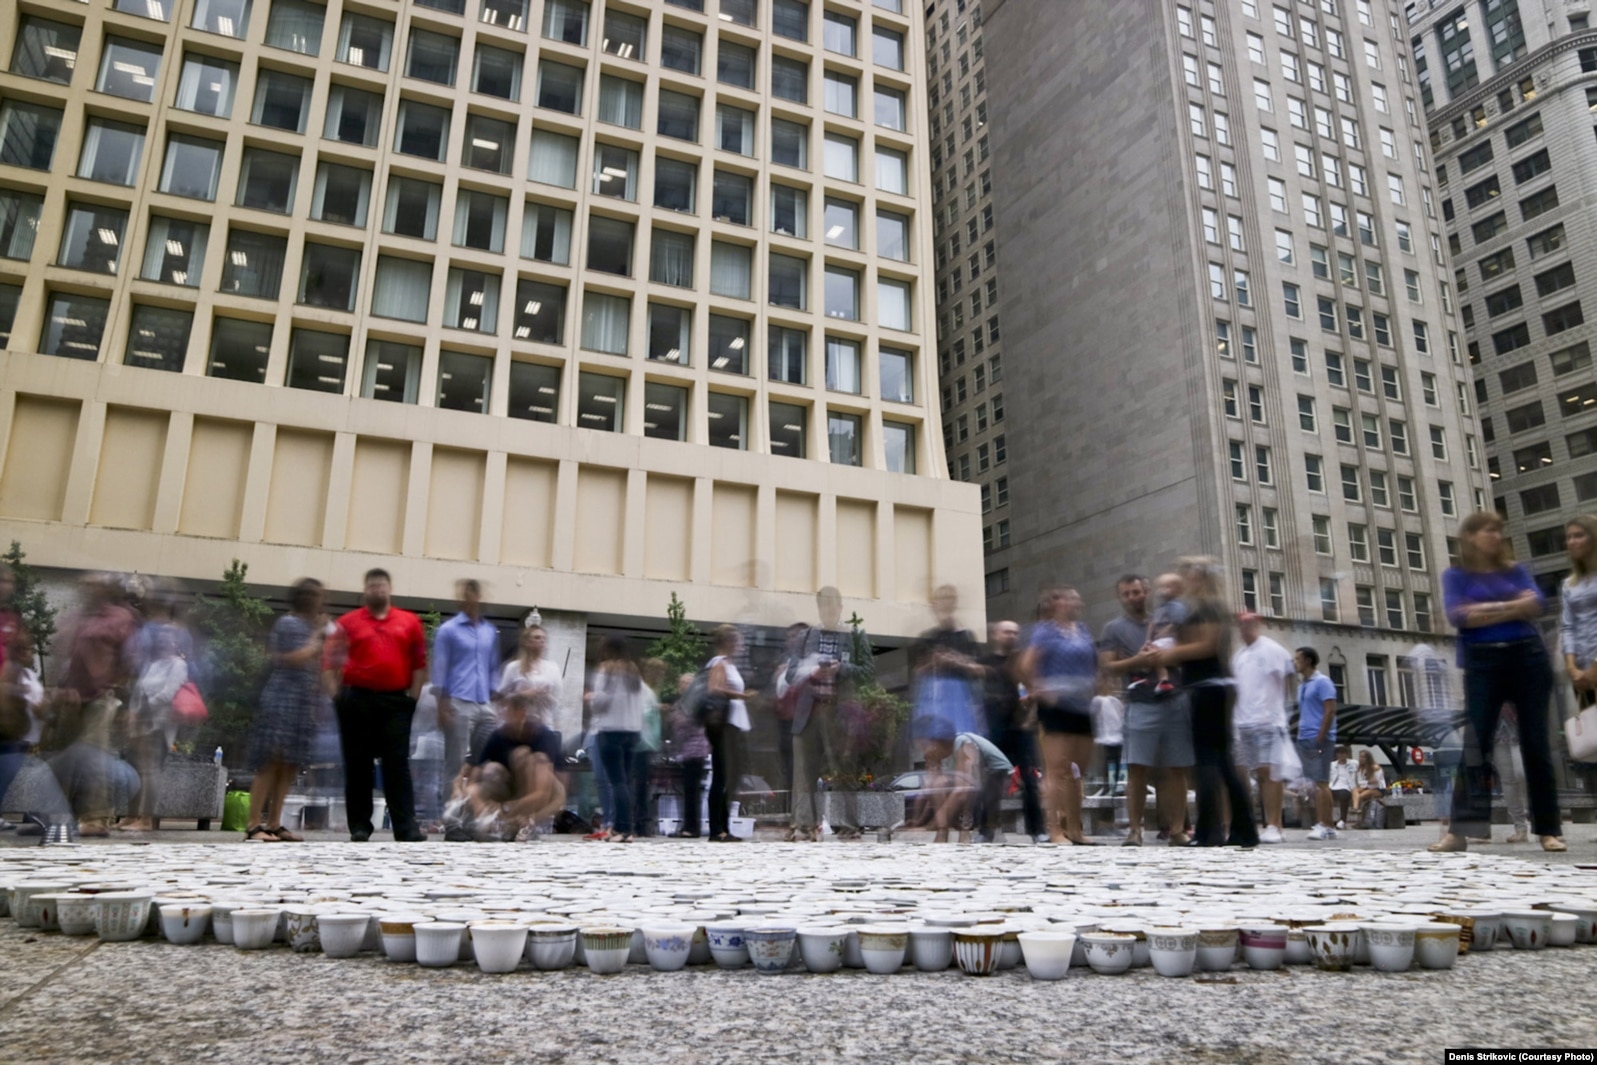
(727, 837)
(285, 836)
(260, 834)
(598, 837)
(1554, 844)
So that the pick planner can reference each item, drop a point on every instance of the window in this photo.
(296, 26)
(563, 20)
(1543, 542)
(1564, 318)
(239, 350)
(887, 48)
(231, 18)
(1568, 360)
(734, 64)
(267, 179)
(1333, 369)
(605, 324)
(329, 276)
(1314, 472)
(680, 49)
(891, 108)
(559, 87)
(432, 57)
(353, 116)
(317, 361)
(540, 315)
(791, 19)
(342, 194)
(1306, 419)
(788, 282)
(1350, 483)
(1328, 606)
(391, 371)
(787, 429)
(843, 293)
(787, 354)
(191, 167)
(674, 184)
(423, 130)
(47, 50)
(128, 68)
(615, 172)
(254, 264)
(843, 438)
(790, 144)
(412, 208)
(840, 157)
(610, 245)
(1370, 431)
(1577, 400)
(534, 391)
(620, 102)
(731, 198)
(892, 170)
(624, 35)
(158, 337)
(1546, 242)
(364, 41)
(282, 101)
(790, 79)
(28, 134)
(73, 326)
(553, 159)
(1244, 515)
(601, 402)
(838, 35)
(731, 266)
(1534, 457)
(1538, 204)
(678, 116)
(206, 85)
(1540, 499)
(892, 303)
(401, 289)
(174, 251)
(92, 238)
(841, 221)
(898, 445)
(111, 152)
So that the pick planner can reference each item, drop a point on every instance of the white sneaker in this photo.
(1271, 834)
(1341, 824)
(1322, 832)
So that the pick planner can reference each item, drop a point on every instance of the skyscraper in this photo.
(1509, 89)
(1228, 323)
(591, 300)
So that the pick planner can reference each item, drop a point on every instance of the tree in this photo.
(230, 627)
(683, 648)
(29, 600)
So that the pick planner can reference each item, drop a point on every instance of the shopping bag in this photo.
(1581, 732)
(189, 705)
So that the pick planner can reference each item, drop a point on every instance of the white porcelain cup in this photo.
(342, 935)
(438, 943)
(184, 923)
(498, 945)
(822, 947)
(255, 928)
(931, 950)
(1047, 953)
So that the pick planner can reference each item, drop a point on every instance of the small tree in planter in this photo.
(683, 648)
(230, 627)
(29, 600)
(868, 721)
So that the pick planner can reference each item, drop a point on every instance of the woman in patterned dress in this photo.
(280, 741)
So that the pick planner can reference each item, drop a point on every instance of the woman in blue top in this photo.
(1060, 669)
(1491, 600)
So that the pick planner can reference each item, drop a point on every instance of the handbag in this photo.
(1581, 733)
(188, 705)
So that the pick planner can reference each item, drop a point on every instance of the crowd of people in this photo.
(1176, 690)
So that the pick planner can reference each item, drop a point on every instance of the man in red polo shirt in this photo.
(380, 652)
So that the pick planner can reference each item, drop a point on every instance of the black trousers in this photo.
(375, 726)
(723, 738)
(1518, 673)
(692, 782)
(1020, 747)
(642, 823)
(1217, 770)
(784, 750)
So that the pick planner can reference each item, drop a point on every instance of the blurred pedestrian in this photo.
(615, 704)
(1492, 601)
(285, 719)
(944, 667)
(1012, 723)
(692, 749)
(94, 682)
(1060, 670)
(723, 729)
(1262, 669)
(378, 656)
(465, 665)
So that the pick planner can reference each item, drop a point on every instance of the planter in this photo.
(869, 809)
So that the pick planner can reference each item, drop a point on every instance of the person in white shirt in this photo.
(1369, 784)
(1260, 668)
(1343, 781)
(533, 679)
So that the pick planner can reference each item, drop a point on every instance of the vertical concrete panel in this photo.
(797, 533)
(601, 513)
(129, 473)
(912, 554)
(377, 494)
(218, 468)
(856, 548)
(33, 483)
(296, 496)
(732, 535)
(667, 525)
(527, 534)
(454, 504)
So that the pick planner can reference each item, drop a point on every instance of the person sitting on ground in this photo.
(1369, 785)
(963, 758)
(512, 787)
(1342, 783)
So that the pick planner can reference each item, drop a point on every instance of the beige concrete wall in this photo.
(100, 471)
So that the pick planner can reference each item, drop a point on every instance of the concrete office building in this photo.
(1509, 89)
(1228, 316)
(595, 301)
(969, 340)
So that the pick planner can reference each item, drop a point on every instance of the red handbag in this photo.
(189, 705)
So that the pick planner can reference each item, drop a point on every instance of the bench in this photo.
(190, 791)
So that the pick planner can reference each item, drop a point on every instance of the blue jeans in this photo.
(615, 754)
(1518, 673)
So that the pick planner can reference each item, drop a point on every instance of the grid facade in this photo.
(1510, 92)
(613, 292)
(1260, 343)
(969, 337)
(642, 218)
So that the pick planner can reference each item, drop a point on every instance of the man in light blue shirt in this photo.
(465, 663)
(1316, 734)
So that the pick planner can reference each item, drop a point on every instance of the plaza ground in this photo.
(76, 1000)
